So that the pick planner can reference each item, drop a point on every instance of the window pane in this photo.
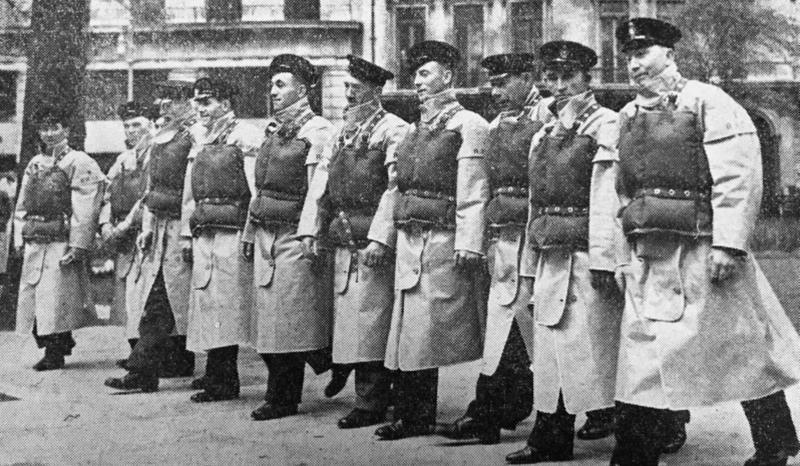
(224, 10)
(410, 30)
(527, 22)
(105, 91)
(185, 11)
(262, 10)
(468, 21)
(301, 9)
(612, 62)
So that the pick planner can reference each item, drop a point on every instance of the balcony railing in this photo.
(263, 10)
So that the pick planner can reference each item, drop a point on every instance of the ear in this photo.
(670, 54)
(226, 104)
(303, 90)
(447, 76)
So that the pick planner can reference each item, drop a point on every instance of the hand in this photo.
(604, 282)
(186, 254)
(248, 251)
(74, 255)
(722, 265)
(145, 240)
(375, 254)
(106, 231)
(468, 260)
(308, 245)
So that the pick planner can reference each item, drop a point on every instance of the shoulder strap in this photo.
(585, 116)
(445, 118)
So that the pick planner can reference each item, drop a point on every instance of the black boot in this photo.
(639, 433)
(339, 375)
(773, 431)
(599, 424)
(53, 360)
(222, 376)
(177, 361)
(675, 435)
(552, 438)
(134, 381)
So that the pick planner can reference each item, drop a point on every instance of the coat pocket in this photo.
(265, 264)
(33, 264)
(202, 263)
(341, 270)
(505, 273)
(551, 289)
(409, 260)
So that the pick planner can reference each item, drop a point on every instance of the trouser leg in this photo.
(285, 378)
(553, 433)
(372, 387)
(155, 327)
(601, 415)
(57, 344)
(416, 393)
(178, 360)
(320, 360)
(222, 372)
(640, 434)
(771, 424)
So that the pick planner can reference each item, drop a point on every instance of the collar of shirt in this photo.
(176, 122)
(534, 97)
(360, 113)
(574, 108)
(292, 112)
(142, 147)
(436, 104)
(59, 150)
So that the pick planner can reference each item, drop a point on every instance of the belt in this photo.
(42, 218)
(671, 193)
(429, 195)
(565, 211)
(281, 196)
(511, 191)
(220, 201)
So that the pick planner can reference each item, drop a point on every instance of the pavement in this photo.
(69, 417)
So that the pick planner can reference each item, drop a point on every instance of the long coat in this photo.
(511, 286)
(687, 342)
(439, 311)
(221, 299)
(576, 331)
(293, 303)
(363, 296)
(58, 298)
(124, 281)
(170, 236)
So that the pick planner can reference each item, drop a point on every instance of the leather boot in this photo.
(134, 381)
(52, 360)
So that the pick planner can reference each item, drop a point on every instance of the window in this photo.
(108, 13)
(8, 95)
(262, 10)
(224, 10)
(527, 23)
(185, 11)
(468, 21)
(147, 12)
(105, 91)
(612, 61)
(410, 30)
(301, 9)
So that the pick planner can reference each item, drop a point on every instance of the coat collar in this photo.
(575, 107)
(436, 104)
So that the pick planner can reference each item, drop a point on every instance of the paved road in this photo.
(69, 417)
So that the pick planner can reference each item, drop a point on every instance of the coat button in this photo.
(676, 290)
(415, 271)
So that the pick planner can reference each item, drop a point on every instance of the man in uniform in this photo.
(121, 216)
(293, 314)
(162, 272)
(357, 173)
(56, 214)
(8, 191)
(443, 190)
(571, 228)
(504, 391)
(701, 324)
(221, 183)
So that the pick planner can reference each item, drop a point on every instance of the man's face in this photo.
(286, 89)
(211, 109)
(135, 129)
(511, 91)
(565, 82)
(358, 92)
(432, 78)
(646, 63)
(53, 134)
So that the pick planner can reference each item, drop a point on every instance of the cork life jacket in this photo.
(281, 175)
(167, 170)
(48, 204)
(507, 151)
(664, 170)
(357, 180)
(126, 189)
(219, 186)
(560, 175)
(427, 168)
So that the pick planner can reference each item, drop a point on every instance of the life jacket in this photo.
(427, 171)
(281, 176)
(219, 187)
(48, 205)
(508, 147)
(126, 189)
(560, 175)
(167, 170)
(357, 180)
(664, 170)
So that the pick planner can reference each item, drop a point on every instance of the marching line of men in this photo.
(619, 284)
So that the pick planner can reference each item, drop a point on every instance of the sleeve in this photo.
(318, 132)
(603, 200)
(19, 210)
(735, 165)
(88, 185)
(383, 230)
(187, 204)
(105, 209)
(722, 117)
(310, 217)
(472, 183)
